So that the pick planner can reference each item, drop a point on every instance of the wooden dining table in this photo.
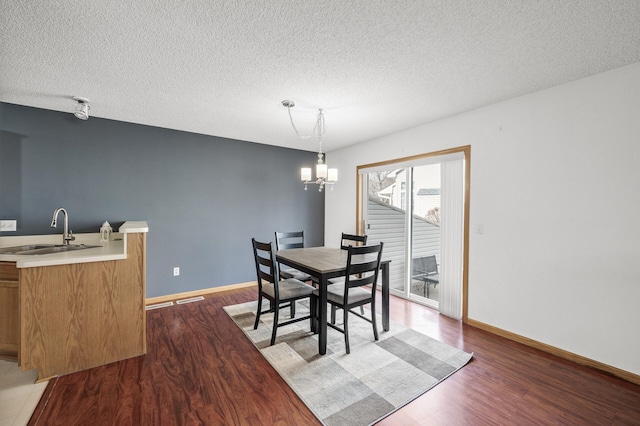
(324, 263)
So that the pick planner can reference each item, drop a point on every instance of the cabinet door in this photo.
(9, 319)
(9, 310)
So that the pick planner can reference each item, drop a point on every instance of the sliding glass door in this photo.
(416, 206)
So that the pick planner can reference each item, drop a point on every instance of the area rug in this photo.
(360, 388)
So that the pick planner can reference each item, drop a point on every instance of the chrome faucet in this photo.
(66, 234)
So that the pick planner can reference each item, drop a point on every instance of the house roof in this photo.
(429, 191)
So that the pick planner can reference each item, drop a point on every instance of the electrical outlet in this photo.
(176, 271)
(8, 225)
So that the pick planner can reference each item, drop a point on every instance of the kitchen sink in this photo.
(36, 249)
(18, 249)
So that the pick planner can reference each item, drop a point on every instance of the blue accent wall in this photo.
(203, 197)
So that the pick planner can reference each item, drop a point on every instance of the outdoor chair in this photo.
(425, 269)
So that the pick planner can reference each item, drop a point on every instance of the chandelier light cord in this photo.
(319, 128)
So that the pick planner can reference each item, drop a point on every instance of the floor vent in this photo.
(189, 300)
(159, 305)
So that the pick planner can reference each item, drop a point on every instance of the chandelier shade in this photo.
(305, 174)
(321, 171)
(333, 175)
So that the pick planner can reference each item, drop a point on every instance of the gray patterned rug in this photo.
(361, 388)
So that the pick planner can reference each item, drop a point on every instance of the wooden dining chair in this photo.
(349, 240)
(345, 241)
(286, 241)
(359, 287)
(279, 293)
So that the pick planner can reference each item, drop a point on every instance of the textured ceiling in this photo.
(376, 66)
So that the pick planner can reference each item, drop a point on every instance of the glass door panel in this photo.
(390, 196)
(385, 220)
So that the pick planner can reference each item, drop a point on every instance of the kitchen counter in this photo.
(115, 249)
(70, 311)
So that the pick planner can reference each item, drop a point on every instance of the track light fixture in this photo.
(82, 108)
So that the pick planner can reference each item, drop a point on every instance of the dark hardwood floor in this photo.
(201, 370)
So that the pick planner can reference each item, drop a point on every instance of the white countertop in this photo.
(115, 249)
(133, 227)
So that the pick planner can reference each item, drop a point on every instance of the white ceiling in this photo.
(376, 66)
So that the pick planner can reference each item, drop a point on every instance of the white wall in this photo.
(555, 180)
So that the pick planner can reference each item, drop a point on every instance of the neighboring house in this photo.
(386, 223)
(427, 182)
(426, 199)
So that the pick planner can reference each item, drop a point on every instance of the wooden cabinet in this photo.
(9, 310)
(82, 315)
(63, 318)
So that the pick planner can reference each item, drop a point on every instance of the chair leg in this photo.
(346, 328)
(275, 323)
(317, 321)
(293, 308)
(255, 325)
(373, 319)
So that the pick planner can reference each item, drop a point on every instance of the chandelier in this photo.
(324, 175)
